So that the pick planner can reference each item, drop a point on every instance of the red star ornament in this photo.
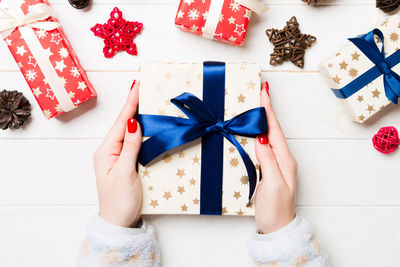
(118, 34)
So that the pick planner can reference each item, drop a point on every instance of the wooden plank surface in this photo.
(348, 190)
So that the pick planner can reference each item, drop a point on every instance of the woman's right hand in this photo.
(276, 192)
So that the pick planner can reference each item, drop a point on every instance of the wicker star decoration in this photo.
(289, 43)
(310, 2)
(387, 5)
(118, 34)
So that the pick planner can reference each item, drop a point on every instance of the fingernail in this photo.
(133, 84)
(132, 126)
(267, 87)
(263, 139)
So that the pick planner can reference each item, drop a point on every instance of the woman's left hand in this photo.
(118, 184)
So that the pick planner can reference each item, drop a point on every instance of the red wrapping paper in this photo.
(62, 58)
(232, 26)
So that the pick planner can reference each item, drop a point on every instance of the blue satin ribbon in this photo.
(206, 121)
(383, 66)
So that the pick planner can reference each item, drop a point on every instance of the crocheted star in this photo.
(118, 34)
(289, 43)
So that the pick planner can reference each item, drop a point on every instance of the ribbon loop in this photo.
(384, 68)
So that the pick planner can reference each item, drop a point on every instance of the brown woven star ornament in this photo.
(387, 5)
(310, 2)
(289, 44)
(15, 109)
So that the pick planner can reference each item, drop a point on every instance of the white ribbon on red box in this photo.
(215, 11)
(11, 18)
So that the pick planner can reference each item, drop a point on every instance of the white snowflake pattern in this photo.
(189, 2)
(63, 81)
(75, 72)
(59, 108)
(47, 113)
(30, 75)
(56, 38)
(41, 33)
(50, 94)
(234, 6)
(63, 52)
(193, 14)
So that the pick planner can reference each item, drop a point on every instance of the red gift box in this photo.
(44, 56)
(222, 20)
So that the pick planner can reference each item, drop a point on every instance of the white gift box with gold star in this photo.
(171, 183)
(349, 63)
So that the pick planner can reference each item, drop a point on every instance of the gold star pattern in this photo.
(161, 112)
(360, 98)
(250, 85)
(180, 173)
(244, 179)
(301, 260)
(168, 75)
(167, 195)
(343, 65)
(330, 65)
(135, 259)
(150, 188)
(192, 181)
(154, 203)
(224, 210)
(249, 205)
(241, 98)
(361, 118)
(394, 37)
(181, 189)
(181, 154)
(234, 162)
(376, 93)
(188, 83)
(355, 56)
(316, 245)
(353, 72)
(146, 172)
(196, 201)
(226, 91)
(257, 166)
(237, 195)
(240, 212)
(382, 107)
(196, 160)
(336, 79)
(337, 54)
(243, 141)
(231, 149)
(370, 109)
(110, 258)
(184, 207)
(167, 158)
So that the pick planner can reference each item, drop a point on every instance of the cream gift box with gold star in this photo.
(171, 183)
(350, 63)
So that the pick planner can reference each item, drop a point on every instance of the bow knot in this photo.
(217, 127)
(384, 68)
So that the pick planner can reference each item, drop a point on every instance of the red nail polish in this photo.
(132, 126)
(267, 87)
(263, 139)
(133, 84)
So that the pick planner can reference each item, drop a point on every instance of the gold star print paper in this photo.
(172, 182)
(350, 63)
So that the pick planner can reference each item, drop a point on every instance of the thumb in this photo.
(266, 158)
(131, 146)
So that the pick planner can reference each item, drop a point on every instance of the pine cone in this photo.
(15, 109)
(310, 2)
(387, 5)
(79, 4)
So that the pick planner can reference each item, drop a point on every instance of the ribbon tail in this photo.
(248, 163)
(154, 124)
(392, 86)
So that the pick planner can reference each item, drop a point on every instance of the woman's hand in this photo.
(276, 192)
(118, 185)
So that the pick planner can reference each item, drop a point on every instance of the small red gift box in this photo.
(44, 56)
(222, 20)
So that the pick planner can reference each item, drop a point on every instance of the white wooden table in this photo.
(349, 191)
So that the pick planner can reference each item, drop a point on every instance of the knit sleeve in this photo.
(111, 245)
(294, 245)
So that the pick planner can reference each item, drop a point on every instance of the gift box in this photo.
(44, 55)
(222, 20)
(363, 74)
(200, 122)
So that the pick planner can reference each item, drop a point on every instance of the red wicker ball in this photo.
(386, 140)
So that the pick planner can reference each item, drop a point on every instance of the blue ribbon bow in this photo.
(383, 66)
(205, 121)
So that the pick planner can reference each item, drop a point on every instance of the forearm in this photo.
(293, 245)
(110, 245)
